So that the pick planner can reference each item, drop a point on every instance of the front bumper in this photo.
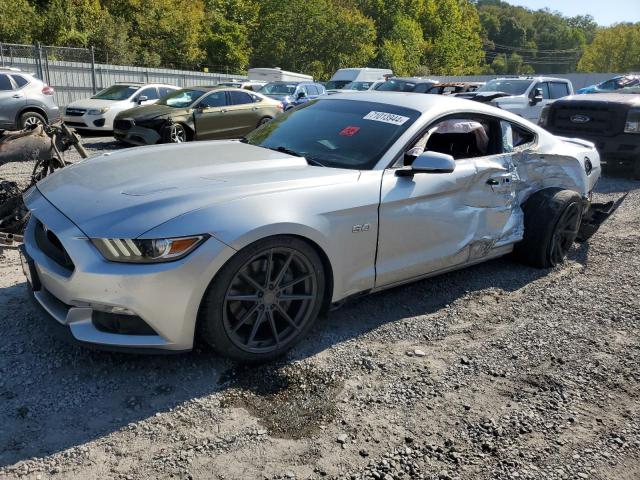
(165, 296)
(137, 135)
(98, 123)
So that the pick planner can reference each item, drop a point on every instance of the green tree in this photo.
(227, 25)
(614, 49)
(404, 46)
(313, 37)
(453, 37)
(18, 21)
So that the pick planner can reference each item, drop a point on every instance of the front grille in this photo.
(75, 112)
(123, 124)
(51, 246)
(604, 119)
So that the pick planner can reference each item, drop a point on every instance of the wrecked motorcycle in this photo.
(42, 144)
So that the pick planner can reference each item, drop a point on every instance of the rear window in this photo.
(397, 86)
(20, 80)
(337, 133)
(558, 89)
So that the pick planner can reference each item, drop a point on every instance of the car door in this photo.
(11, 101)
(432, 222)
(243, 114)
(210, 116)
(533, 112)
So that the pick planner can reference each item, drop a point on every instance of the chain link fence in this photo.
(75, 74)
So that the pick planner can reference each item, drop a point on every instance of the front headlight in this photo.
(147, 251)
(632, 125)
(98, 111)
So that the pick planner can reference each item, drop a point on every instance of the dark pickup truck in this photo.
(610, 120)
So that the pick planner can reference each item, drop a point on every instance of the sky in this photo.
(605, 12)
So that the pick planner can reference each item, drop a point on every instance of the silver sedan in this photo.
(244, 243)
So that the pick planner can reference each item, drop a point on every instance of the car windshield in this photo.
(512, 87)
(278, 89)
(396, 86)
(336, 84)
(181, 98)
(336, 133)
(358, 86)
(117, 92)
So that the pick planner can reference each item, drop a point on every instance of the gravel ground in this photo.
(498, 371)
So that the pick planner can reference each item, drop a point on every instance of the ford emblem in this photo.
(580, 119)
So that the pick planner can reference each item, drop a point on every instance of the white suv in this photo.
(524, 96)
(97, 113)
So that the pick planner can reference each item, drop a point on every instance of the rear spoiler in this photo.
(578, 141)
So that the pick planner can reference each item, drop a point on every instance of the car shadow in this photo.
(56, 395)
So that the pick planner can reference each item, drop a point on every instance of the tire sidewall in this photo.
(210, 323)
(23, 118)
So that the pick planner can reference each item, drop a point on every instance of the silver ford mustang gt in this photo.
(244, 243)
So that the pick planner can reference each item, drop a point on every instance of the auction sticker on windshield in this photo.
(385, 117)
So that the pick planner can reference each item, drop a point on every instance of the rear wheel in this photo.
(551, 222)
(30, 119)
(264, 300)
(264, 120)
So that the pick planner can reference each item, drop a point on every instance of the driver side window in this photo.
(461, 137)
(215, 99)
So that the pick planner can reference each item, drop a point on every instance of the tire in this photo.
(30, 118)
(264, 120)
(244, 306)
(176, 133)
(551, 222)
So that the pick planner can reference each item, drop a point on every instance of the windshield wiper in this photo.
(315, 162)
(284, 150)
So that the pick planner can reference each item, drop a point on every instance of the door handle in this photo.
(224, 110)
(17, 95)
(494, 182)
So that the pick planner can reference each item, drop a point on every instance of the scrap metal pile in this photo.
(43, 145)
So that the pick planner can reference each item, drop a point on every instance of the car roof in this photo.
(414, 79)
(532, 78)
(423, 103)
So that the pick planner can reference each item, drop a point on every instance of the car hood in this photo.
(126, 193)
(95, 103)
(280, 97)
(149, 112)
(607, 98)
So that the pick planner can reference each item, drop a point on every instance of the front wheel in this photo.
(176, 133)
(552, 219)
(264, 120)
(264, 300)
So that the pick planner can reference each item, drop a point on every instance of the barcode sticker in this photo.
(385, 117)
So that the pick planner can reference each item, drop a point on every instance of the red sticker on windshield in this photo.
(349, 131)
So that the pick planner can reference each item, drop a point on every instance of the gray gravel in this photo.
(495, 372)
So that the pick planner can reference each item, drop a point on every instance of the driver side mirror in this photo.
(142, 98)
(429, 162)
(537, 97)
(301, 95)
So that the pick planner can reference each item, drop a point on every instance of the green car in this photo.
(196, 113)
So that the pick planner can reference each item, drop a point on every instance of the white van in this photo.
(345, 76)
(277, 75)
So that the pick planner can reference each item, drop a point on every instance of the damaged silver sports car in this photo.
(244, 243)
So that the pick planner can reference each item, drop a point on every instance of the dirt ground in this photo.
(499, 371)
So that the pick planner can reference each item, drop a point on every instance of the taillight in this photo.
(280, 106)
(47, 90)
